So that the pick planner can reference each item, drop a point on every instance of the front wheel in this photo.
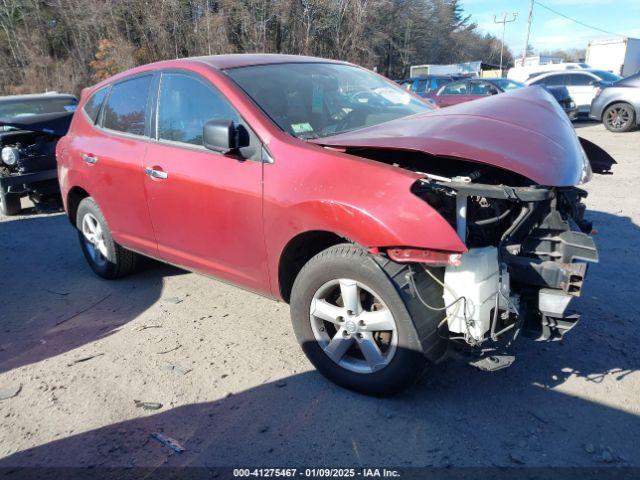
(357, 324)
(619, 117)
(105, 257)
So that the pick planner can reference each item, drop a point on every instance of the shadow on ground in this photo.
(458, 416)
(50, 300)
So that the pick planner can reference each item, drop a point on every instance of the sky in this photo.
(550, 31)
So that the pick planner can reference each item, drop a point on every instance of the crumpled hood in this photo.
(524, 131)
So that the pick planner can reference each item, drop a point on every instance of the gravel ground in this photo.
(235, 389)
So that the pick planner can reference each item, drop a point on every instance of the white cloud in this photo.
(557, 23)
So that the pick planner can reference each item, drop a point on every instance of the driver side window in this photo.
(185, 104)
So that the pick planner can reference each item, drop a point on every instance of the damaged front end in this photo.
(503, 172)
(528, 252)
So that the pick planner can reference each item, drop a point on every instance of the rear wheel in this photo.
(9, 203)
(105, 257)
(357, 322)
(619, 117)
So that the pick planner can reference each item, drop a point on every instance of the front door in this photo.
(206, 207)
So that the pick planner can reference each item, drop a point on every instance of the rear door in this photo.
(110, 154)
(581, 89)
(206, 207)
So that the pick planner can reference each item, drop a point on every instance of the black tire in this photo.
(416, 325)
(118, 261)
(9, 203)
(619, 117)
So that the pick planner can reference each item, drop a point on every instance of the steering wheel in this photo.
(353, 119)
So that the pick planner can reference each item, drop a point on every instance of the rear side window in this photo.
(579, 80)
(185, 104)
(456, 88)
(126, 108)
(553, 81)
(92, 107)
(478, 88)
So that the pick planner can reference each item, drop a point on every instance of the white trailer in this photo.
(619, 55)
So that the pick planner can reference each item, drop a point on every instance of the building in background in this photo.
(620, 55)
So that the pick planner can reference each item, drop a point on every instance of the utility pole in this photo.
(526, 41)
(504, 22)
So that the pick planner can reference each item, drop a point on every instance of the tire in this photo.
(403, 351)
(619, 117)
(105, 257)
(9, 203)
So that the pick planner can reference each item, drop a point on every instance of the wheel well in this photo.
(298, 252)
(75, 196)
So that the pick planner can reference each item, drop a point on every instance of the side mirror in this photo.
(224, 136)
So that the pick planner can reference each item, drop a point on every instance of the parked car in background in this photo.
(30, 127)
(582, 84)
(476, 88)
(427, 84)
(395, 230)
(463, 91)
(617, 106)
(521, 74)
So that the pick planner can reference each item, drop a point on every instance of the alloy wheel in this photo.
(619, 117)
(94, 239)
(353, 326)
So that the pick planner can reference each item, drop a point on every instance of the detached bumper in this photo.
(27, 179)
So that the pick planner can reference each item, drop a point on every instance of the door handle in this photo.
(154, 173)
(89, 158)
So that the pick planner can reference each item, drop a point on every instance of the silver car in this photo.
(618, 105)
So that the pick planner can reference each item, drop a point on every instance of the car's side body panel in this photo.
(305, 190)
(207, 215)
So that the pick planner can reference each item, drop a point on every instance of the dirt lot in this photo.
(235, 388)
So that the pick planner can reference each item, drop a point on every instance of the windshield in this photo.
(22, 107)
(507, 85)
(313, 100)
(606, 76)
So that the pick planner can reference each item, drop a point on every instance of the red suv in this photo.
(395, 231)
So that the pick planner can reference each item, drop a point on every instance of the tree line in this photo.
(66, 45)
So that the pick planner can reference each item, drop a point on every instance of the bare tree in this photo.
(69, 44)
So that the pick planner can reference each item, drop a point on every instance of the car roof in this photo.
(224, 62)
(592, 71)
(216, 62)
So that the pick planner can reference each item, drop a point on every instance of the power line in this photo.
(576, 21)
